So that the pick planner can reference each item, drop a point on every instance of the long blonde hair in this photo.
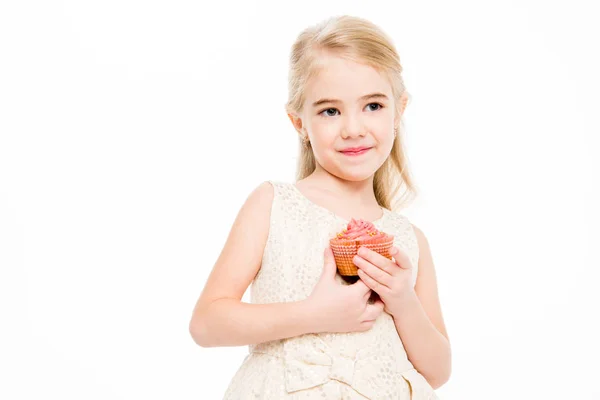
(359, 40)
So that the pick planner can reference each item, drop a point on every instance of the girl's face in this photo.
(337, 115)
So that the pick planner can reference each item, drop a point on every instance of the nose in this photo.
(353, 128)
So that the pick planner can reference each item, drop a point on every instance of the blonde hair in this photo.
(358, 40)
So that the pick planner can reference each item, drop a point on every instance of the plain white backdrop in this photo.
(131, 132)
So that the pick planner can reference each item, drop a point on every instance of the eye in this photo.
(327, 114)
(328, 109)
(379, 106)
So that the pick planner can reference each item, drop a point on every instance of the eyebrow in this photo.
(368, 96)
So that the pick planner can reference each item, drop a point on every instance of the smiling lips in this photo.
(355, 151)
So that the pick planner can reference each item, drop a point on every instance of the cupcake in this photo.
(358, 233)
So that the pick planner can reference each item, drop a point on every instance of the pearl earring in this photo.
(305, 139)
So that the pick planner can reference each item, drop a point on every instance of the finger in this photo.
(361, 288)
(373, 272)
(379, 304)
(374, 310)
(371, 282)
(329, 266)
(400, 258)
(381, 262)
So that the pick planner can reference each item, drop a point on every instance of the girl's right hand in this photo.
(341, 308)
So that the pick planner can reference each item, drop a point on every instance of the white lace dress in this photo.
(359, 365)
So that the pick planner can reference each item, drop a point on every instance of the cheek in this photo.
(386, 138)
(324, 151)
(323, 140)
(389, 144)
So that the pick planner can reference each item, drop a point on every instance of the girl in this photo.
(312, 335)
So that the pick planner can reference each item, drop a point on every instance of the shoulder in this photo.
(269, 189)
(256, 209)
(254, 215)
(402, 222)
(253, 219)
(263, 192)
(421, 239)
(260, 198)
(425, 258)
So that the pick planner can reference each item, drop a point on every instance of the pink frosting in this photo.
(359, 229)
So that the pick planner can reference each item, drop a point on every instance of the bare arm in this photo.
(220, 318)
(229, 322)
(420, 323)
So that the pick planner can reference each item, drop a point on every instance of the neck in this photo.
(360, 191)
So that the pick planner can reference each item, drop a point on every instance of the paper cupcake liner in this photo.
(344, 251)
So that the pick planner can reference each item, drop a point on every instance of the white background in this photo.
(132, 131)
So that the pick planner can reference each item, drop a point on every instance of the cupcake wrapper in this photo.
(345, 250)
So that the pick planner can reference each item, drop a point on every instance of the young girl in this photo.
(312, 335)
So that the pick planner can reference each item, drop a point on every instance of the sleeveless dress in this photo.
(351, 366)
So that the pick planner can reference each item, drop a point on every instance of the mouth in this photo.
(356, 153)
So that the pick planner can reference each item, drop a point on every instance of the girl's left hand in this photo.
(390, 279)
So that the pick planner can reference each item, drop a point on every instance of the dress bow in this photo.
(318, 363)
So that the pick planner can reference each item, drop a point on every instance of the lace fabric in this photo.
(357, 365)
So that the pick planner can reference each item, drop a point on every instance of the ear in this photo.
(403, 101)
(296, 121)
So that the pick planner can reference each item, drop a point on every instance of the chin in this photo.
(354, 177)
